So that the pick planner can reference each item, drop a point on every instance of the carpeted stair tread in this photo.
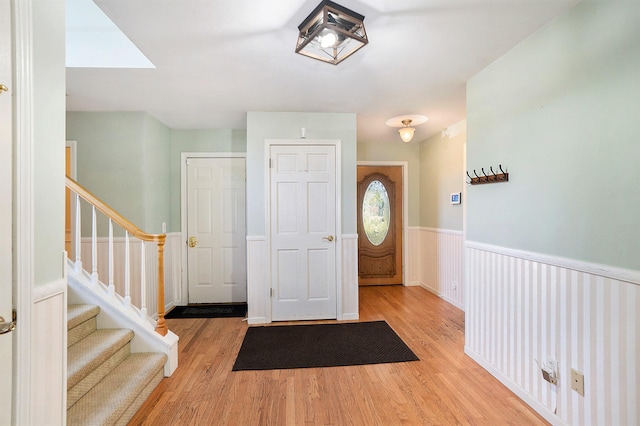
(85, 384)
(77, 314)
(109, 400)
(79, 332)
(90, 352)
(140, 399)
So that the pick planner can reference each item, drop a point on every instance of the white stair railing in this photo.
(130, 231)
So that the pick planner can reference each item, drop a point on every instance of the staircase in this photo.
(106, 382)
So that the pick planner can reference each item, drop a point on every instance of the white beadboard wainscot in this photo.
(49, 353)
(523, 308)
(349, 308)
(435, 262)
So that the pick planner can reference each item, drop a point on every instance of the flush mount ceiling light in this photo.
(405, 122)
(331, 33)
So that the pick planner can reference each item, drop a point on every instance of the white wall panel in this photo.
(522, 310)
(435, 262)
(49, 354)
(349, 307)
(259, 308)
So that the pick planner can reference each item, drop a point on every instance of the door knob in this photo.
(6, 327)
(193, 242)
(3, 88)
(329, 238)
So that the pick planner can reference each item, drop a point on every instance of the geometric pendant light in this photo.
(331, 33)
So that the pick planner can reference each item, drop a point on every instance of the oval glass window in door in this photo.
(376, 212)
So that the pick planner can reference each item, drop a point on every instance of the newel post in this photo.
(161, 325)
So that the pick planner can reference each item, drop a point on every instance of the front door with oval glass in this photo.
(379, 225)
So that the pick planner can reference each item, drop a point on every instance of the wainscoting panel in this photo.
(349, 309)
(49, 354)
(259, 309)
(435, 262)
(523, 309)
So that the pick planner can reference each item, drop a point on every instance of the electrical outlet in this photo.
(552, 364)
(577, 381)
(549, 371)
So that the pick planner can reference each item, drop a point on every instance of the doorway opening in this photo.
(382, 223)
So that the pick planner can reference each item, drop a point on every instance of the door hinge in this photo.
(270, 292)
(270, 163)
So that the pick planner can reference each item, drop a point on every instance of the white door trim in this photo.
(23, 205)
(405, 206)
(338, 241)
(73, 160)
(183, 296)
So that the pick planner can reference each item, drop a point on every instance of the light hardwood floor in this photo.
(444, 388)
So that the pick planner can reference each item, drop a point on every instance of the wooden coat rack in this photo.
(493, 177)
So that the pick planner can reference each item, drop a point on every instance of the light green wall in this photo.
(220, 140)
(441, 174)
(123, 158)
(274, 125)
(48, 139)
(398, 151)
(560, 111)
(156, 174)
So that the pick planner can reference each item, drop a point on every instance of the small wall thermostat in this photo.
(455, 197)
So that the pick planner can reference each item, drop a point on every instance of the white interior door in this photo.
(216, 227)
(6, 197)
(303, 232)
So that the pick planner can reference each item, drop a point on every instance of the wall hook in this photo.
(491, 178)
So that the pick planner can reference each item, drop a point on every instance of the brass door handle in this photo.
(3, 88)
(329, 238)
(192, 242)
(6, 327)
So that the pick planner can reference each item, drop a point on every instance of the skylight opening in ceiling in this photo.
(94, 41)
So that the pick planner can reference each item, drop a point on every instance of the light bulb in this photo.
(329, 39)
(406, 133)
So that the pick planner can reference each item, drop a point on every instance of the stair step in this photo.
(119, 395)
(77, 314)
(85, 384)
(91, 352)
(81, 321)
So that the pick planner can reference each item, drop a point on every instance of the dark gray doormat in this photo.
(321, 345)
(220, 310)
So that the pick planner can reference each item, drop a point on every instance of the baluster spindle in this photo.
(112, 287)
(127, 268)
(94, 246)
(78, 264)
(143, 284)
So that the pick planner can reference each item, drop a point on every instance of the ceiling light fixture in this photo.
(405, 122)
(331, 33)
(406, 133)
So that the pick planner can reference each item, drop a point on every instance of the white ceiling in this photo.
(217, 59)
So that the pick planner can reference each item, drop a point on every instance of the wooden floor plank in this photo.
(445, 387)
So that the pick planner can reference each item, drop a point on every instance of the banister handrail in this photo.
(111, 213)
(159, 239)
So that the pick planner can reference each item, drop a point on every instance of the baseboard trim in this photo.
(513, 387)
(350, 317)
